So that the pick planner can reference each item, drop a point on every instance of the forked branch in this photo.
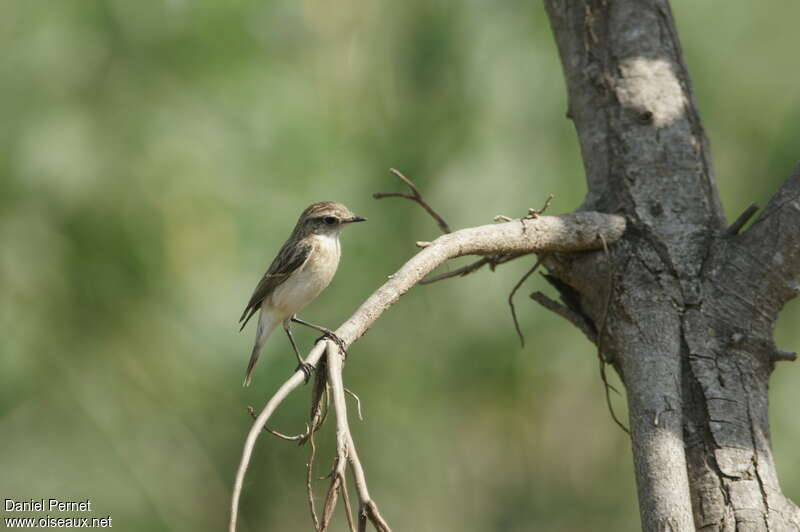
(563, 233)
(346, 449)
(414, 196)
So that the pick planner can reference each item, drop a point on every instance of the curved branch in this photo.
(567, 232)
(562, 233)
(297, 378)
(414, 196)
(511, 300)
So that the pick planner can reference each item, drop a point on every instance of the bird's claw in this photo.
(307, 370)
(338, 341)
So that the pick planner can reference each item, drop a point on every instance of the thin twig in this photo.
(347, 506)
(297, 437)
(737, 224)
(414, 196)
(601, 336)
(319, 404)
(497, 260)
(330, 502)
(607, 386)
(567, 313)
(782, 354)
(493, 261)
(534, 213)
(310, 477)
(607, 306)
(330, 473)
(358, 403)
(511, 299)
(458, 272)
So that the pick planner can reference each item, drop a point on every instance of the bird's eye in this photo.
(330, 220)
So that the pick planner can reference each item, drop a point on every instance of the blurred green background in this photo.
(155, 155)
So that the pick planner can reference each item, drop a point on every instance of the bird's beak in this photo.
(356, 219)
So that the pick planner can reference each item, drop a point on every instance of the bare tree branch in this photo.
(492, 261)
(285, 389)
(348, 507)
(458, 272)
(358, 403)
(784, 355)
(511, 299)
(296, 437)
(414, 196)
(742, 219)
(568, 232)
(310, 478)
(608, 388)
(568, 314)
(331, 499)
(346, 449)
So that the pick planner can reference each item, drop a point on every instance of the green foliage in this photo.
(155, 155)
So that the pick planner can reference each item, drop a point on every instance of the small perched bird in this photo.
(303, 268)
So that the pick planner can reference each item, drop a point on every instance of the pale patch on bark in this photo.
(650, 85)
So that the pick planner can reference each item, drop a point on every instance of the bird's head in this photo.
(326, 218)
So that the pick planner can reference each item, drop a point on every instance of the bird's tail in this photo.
(265, 327)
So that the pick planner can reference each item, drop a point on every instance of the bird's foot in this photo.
(307, 370)
(333, 336)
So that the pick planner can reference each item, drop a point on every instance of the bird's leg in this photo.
(325, 332)
(307, 368)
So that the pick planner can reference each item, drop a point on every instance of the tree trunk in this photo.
(683, 306)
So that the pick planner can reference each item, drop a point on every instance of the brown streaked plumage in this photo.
(303, 268)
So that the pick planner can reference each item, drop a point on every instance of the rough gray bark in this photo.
(684, 308)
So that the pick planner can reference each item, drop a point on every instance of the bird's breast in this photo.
(308, 281)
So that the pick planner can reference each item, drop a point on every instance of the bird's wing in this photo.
(290, 258)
